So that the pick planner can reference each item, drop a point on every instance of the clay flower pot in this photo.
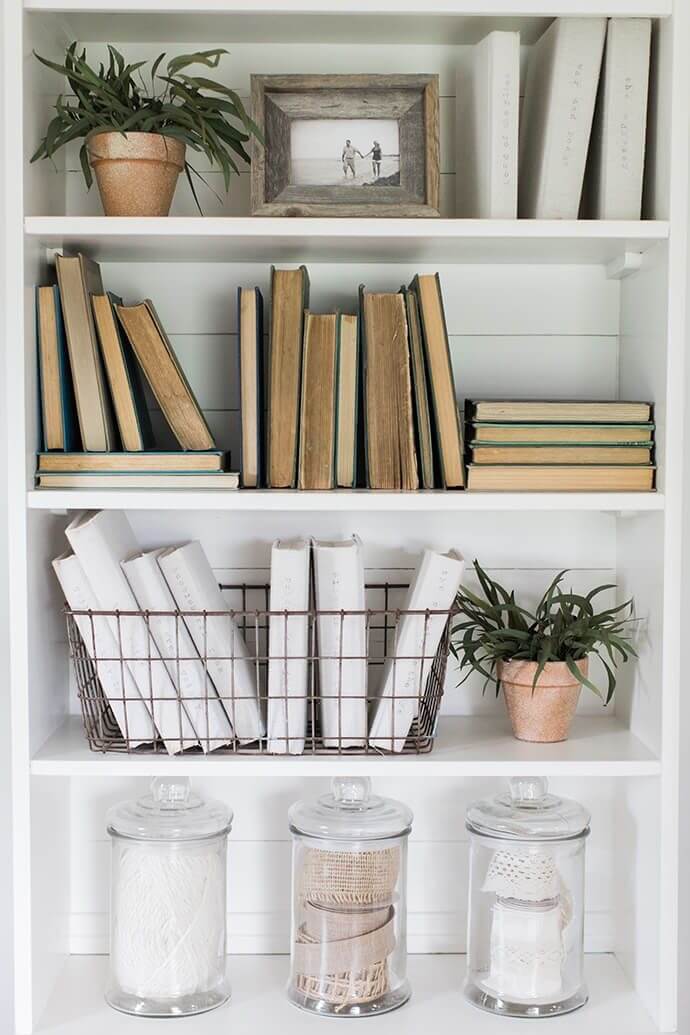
(542, 715)
(136, 172)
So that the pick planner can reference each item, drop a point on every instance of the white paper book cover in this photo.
(115, 678)
(288, 647)
(486, 140)
(342, 641)
(434, 588)
(216, 636)
(199, 698)
(102, 540)
(560, 93)
(615, 168)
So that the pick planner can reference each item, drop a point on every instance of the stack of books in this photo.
(353, 400)
(560, 446)
(576, 146)
(94, 355)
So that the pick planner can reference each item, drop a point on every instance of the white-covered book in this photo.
(615, 169)
(288, 647)
(199, 698)
(556, 122)
(102, 540)
(342, 641)
(115, 678)
(216, 636)
(486, 140)
(405, 673)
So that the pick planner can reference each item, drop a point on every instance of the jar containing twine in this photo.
(168, 903)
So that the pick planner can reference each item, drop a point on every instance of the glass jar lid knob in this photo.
(351, 790)
(171, 792)
(528, 790)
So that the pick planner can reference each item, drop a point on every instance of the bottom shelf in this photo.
(258, 1003)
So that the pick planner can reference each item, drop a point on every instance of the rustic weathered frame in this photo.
(412, 100)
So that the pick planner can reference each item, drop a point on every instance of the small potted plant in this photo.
(540, 658)
(136, 130)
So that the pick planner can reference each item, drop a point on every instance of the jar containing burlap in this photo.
(349, 953)
(526, 902)
(168, 902)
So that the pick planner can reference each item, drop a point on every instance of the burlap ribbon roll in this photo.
(315, 958)
(350, 878)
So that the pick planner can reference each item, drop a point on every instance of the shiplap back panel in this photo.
(259, 857)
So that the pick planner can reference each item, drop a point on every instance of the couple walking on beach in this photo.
(348, 158)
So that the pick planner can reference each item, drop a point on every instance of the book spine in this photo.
(216, 636)
(101, 543)
(503, 102)
(117, 683)
(342, 643)
(199, 698)
(288, 649)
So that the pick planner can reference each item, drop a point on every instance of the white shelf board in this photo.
(258, 1003)
(477, 746)
(248, 239)
(340, 501)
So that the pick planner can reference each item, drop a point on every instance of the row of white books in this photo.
(576, 148)
(191, 681)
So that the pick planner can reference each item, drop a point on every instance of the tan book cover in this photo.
(289, 299)
(150, 460)
(592, 478)
(561, 454)
(165, 375)
(550, 434)
(567, 410)
(346, 401)
(317, 412)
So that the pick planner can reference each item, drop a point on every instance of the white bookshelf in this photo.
(533, 308)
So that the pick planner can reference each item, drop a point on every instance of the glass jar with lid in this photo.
(526, 902)
(349, 875)
(168, 902)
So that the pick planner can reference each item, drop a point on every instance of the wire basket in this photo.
(249, 611)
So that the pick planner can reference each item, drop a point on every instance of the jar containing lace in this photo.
(349, 859)
(168, 902)
(526, 902)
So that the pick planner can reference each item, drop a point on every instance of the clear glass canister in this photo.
(168, 902)
(526, 902)
(349, 878)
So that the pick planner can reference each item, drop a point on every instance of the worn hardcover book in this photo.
(102, 647)
(446, 424)
(391, 457)
(102, 540)
(615, 167)
(172, 462)
(80, 278)
(557, 112)
(318, 407)
(551, 454)
(138, 480)
(577, 434)
(216, 636)
(561, 478)
(422, 414)
(434, 589)
(288, 648)
(165, 375)
(289, 299)
(250, 307)
(347, 401)
(566, 410)
(198, 696)
(58, 405)
(124, 377)
(342, 641)
(488, 98)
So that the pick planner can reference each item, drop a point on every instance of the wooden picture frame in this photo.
(411, 101)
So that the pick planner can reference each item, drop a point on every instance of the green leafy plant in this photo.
(564, 626)
(205, 115)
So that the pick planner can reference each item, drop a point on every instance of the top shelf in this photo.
(448, 22)
(256, 239)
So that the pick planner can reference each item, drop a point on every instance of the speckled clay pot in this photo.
(544, 714)
(136, 172)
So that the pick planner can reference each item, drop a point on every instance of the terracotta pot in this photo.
(542, 715)
(136, 172)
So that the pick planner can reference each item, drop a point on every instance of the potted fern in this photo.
(136, 127)
(540, 657)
